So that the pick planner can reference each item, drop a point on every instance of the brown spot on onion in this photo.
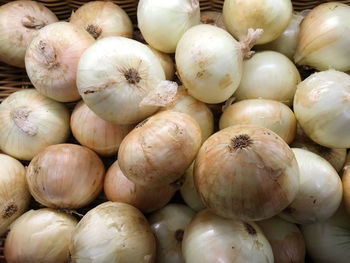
(179, 234)
(9, 211)
(94, 30)
(249, 228)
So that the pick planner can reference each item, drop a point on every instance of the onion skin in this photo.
(166, 62)
(346, 184)
(270, 114)
(19, 23)
(113, 232)
(118, 188)
(246, 172)
(229, 240)
(65, 176)
(160, 149)
(40, 236)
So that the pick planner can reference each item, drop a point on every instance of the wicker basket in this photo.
(13, 79)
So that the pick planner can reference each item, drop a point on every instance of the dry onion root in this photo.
(19, 23)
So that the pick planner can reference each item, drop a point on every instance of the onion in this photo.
(189, 192)
(346, 184)
(65, 176)
(213, 18)
(166, 62)
(272, 16)
(322, 108)
(14, 193)
(118, 188)
(209, 62)
(336, 157)
(286, 240)
(329, 241)
(226, 240)
(160, 149)
(113, 232)
(95, 133)
(320, 190)
(102, 19)
(270, 114)
(162, 23)
(324, 38)
(30, 122)
(52, 59)
(40, 236)
(246, 172)
(19, 23)
(122, 81)
(183, 102)
(168, 224)
(268, 75)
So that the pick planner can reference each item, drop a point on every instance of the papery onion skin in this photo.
(162, 23)
(322, 108)
(320, 190)
(19, 23)
(113, 232)
(346, 184)
(102, 19)
(246, 172)
(323, 41)
(81, 173)
(272, 16)
(14, 192)
(285, 238)
(270, 114)
(166, 62)
(52, 60)
(30, 122)
(168, 224)
(268, 75)
(118, 188)
(225, 239)
(213, 18)
(160, 149)
(95, 133)
(40, 236)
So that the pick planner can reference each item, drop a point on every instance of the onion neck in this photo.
(48, 53)
(94, 30)
(32, 22)
(20, 118)
(248, 41)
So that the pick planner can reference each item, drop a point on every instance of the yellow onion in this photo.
(285, 238)
(118, 188)
(162, 23)
(166, 62)
(14, 192)
(95, 133)
(213, 18)
(52, 60)
(323, 41)
(113, 232)
(19, 23)
(160, 149)
(268, 75)
(246, 172)
(102, 19)
(346, 184)
(336, 157)
(209, 238)
(272, 16)
(322, 108)
(183, 102)
(270, 114)
(30, 122)
(320, 190)
(40, 236)
(65, 176)
(168, 224)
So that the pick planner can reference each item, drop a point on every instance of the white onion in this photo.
(162, 23)
(268, 75)
(14, 192)
(324, 40)
(273, 16)
(52, 60)
(40, 236)
(322, 108)
(168, 224)
(210, 238)
(320, 190)
(113, 232)
(213, 18)
(102, 19)
(19, 23)
(30, 122)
